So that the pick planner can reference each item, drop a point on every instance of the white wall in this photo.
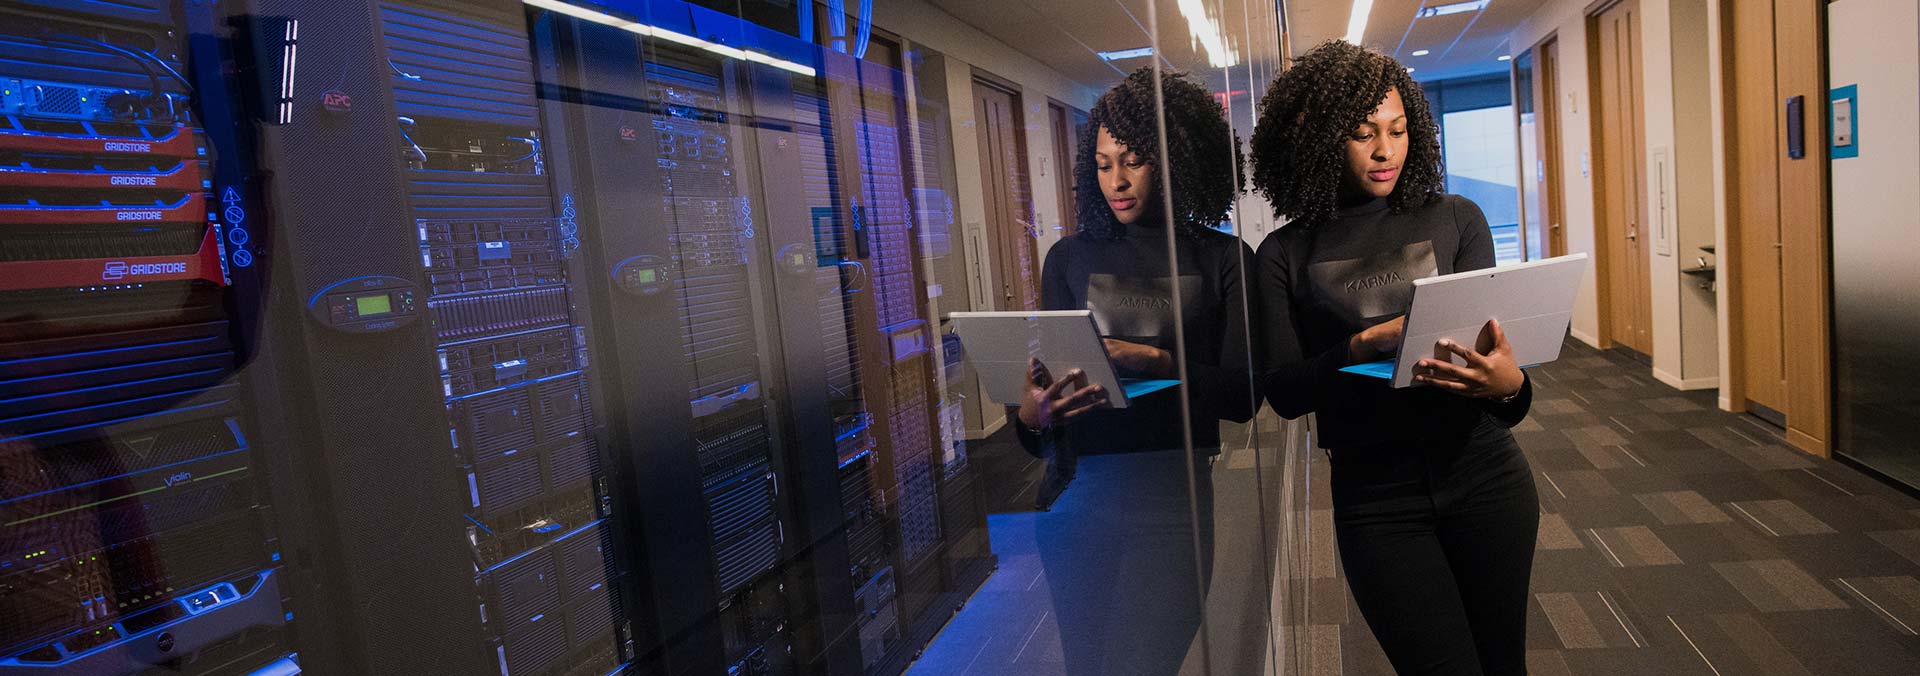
(1676, 106)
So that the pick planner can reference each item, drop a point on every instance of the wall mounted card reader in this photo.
(1844, 105)
(1843, 122)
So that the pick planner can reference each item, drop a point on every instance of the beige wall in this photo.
(963, 49)
(1697, 224)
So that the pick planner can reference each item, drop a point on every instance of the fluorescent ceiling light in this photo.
(1126, 54)
(1504, 57)
(1421, 52)
(641, 29)
(1455, 8)
(1206, 35)
(1409, 69)
(1357, 21)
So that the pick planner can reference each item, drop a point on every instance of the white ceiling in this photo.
(1068, 34)
(1460, 45)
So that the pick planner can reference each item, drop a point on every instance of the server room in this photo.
(946, 338)
(575, 338)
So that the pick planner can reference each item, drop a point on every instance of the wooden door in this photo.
(1003, 179)
(1625, 267)
(1546, 124)
(1753, 203)
(1064, 157)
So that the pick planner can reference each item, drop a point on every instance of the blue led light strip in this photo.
(638, 28)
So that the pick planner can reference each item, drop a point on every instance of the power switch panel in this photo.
(366, 304)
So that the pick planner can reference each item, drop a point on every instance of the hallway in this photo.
(1676, 539)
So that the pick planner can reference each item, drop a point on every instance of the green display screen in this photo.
(648, 276)
(369, 306)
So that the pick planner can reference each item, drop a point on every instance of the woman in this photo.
(1116, 266)
(1434, 504)
(1119, 548)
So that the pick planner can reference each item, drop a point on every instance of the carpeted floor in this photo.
(1676, 539)
(1679, 539)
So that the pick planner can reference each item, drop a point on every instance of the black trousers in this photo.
(1437, 540)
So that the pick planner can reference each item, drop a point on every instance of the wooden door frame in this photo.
(1805, 218)
(1017, 109)
(1732, 273)
(1603, 279)
(1068, 148)
(1596, 173)
(1551, 144)
(1547, 144)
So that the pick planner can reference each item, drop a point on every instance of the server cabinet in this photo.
(918, 577)
(136, 530)
(760, 218)
(656, 165)
(436, 346)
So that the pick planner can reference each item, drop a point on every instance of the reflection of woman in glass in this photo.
(1119, 548)
(1434, 504)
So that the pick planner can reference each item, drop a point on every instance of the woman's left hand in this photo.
(1490, 372)
(1139, 360)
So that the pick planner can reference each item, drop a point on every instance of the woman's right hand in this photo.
(1379, 341)
(1047, 403)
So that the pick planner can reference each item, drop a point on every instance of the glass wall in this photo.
(591, 337)
(1533, 165)
(1478, 140)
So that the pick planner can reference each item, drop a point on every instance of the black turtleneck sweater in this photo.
(1125, 282)
(1321, 284)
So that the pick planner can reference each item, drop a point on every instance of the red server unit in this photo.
(135, 532)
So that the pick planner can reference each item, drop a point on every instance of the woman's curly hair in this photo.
(1201, 149)
(1309, 112)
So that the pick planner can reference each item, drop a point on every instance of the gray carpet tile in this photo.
(1680, 539)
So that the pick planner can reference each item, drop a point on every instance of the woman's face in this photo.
(1376, 149)
(1125, 179)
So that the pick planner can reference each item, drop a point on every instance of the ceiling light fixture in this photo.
(1125, 54)
(644, 30)
(1409, 69)
(1421, 52)
(1206, 35)
(1504, 57)
(1455, 8)
(1357, 21)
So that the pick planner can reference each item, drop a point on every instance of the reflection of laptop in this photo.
(1533, 301)
(998, 345)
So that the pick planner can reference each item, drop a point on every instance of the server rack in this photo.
(656, 162)
(135, 527)
(464, 506)
(962, 505)
(829, 252)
